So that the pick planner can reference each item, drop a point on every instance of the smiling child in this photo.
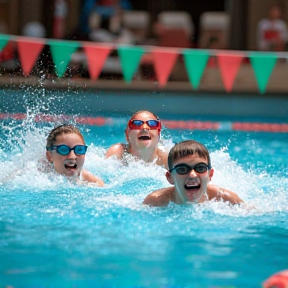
(142, 135)
(190, 172)
(65, 150)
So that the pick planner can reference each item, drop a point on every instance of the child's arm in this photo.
(89, 177)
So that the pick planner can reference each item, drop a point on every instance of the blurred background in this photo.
(243, 15)
(204, 24)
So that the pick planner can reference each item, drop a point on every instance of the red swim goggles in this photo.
(135, 124)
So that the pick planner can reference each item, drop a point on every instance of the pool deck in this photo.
(177, 97)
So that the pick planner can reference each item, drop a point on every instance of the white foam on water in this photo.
(127, 185)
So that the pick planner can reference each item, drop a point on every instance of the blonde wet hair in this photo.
(62, 129)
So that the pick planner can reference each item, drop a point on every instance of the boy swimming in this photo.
(190, 171)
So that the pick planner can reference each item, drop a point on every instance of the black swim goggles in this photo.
(183, 169)
(135, 124)
(65, 150)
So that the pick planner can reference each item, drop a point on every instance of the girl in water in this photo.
(142, 135)
(65, 151)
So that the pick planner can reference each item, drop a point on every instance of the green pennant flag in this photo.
(195, 62)
(3, 41)
(263, 65)
(130, 58)
(61, 54)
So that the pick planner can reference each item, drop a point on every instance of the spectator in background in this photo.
(272, 34)
(106, 9)
(60, 13)
(102, 20)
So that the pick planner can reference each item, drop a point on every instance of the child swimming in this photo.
(65, 150)
(190, 172)
(142, 135)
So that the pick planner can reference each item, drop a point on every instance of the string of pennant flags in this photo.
(130, 57)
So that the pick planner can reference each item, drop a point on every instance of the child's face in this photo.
(144, 137)
(71, 164)
(190, 187)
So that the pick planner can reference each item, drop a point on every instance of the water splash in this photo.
(23, 145)
(44, 215)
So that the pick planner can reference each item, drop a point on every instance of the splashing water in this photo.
(55, 232)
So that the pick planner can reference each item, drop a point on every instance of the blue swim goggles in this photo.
(65, 150)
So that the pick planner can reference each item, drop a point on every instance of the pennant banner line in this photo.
(147, 48)
(130, 56)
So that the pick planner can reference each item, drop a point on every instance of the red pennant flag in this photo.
(29, 50)
(229, 64)
(164, 61)
(96, 57)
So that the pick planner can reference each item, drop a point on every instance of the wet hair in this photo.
(188, 147)
(62, 129)
(142, 111)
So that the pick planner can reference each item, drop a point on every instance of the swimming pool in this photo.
(58, 234)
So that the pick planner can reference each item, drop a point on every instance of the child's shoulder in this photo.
(116, 149)
(222, 194)
(160, 197)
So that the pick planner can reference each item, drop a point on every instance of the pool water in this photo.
(55, 233)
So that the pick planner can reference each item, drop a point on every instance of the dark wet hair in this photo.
(62, 129)
(188, 147)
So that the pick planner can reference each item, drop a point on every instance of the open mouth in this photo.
(144, 137)
(71, 167)
(192, 187)
(192, 191)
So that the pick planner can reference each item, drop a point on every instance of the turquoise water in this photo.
(54, 233)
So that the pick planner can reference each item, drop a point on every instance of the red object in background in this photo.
(164, 60)
(174, 37)
(278, 280)
(8, 52)
(96, 56)
(29, 50)
(271, 34)
(229, 64)
(60, 12)
(107, 2)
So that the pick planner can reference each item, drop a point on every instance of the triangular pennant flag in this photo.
(195, 62)
(29, 50)
(61, 54)
(229, 64)
(263, 65)
(96, 57)
(164, 61)
(130, 58)
(4, 39)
